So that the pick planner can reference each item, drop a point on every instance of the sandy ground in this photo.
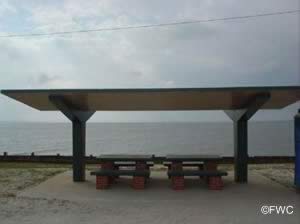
(19, 205)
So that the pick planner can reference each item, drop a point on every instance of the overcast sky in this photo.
(253, 52)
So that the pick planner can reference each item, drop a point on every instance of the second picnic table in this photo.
(207, 165)
(210, 162)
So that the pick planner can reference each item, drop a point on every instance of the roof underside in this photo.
(157, 99)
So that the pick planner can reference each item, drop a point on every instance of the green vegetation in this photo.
(15, 177)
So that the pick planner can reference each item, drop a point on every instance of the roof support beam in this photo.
(79, 119)
(240, 119)
(69, 110)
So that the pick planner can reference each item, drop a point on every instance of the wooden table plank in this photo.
(192, 157)
(125, 157)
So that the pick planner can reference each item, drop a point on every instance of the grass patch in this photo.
(15, 177)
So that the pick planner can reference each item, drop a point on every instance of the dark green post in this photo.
(78, 119)
(240, 120)
(241, 150)
(79, 130)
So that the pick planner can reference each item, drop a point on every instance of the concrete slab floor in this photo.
(59, 200)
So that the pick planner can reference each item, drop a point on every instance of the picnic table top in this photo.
(125, 157)
(192, 157)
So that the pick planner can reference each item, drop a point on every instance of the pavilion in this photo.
(239, 103)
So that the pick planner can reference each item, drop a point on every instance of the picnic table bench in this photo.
(196, 173)
(208, 170)
(103, 177)
(130, 164)
(199, 165)
(114, 173)
(120, 165)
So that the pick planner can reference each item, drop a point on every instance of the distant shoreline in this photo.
(265, 138)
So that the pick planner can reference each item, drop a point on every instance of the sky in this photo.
(250, 52)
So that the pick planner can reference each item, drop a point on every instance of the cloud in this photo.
(6, 8)
(45, 79)
(255, 52)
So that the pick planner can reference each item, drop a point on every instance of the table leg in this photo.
(201, 168)
(176, 166)
(102, 182)
(116, 167)
(214, 182)
(138, 183)
(211, 166)
(141, 165)
(177, 181)
(109, 166)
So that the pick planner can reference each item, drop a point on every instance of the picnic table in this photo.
(191, 158)
(209, 162)
(110, 169)
(207, 168)
(111, 161)
(125, 158)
